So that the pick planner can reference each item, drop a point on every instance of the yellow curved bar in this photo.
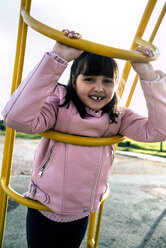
(81, 140)
(26, 201)
(84, 44)
(20, 199)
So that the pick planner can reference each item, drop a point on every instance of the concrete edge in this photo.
(142, 156)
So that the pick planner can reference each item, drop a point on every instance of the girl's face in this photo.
(94, 91)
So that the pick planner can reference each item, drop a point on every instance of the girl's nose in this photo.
(98, 87)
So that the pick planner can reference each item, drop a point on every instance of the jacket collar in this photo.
(95, 113)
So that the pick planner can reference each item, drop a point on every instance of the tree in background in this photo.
(2, 125)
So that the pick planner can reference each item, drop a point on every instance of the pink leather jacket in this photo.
(67, 178)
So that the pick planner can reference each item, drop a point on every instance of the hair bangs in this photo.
(97, 65)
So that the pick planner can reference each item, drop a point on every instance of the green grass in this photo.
(146, 148)
(23, 135)
(139, 147)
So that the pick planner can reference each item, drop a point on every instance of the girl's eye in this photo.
(108, 81)
(89, 79)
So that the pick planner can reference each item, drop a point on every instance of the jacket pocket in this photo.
(36, 193)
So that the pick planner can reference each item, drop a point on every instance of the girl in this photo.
(72, 180)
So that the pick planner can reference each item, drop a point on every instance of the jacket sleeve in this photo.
(32, 107)
(153, 128)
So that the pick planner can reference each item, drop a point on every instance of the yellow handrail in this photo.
(142, 42)
(85, 44)
(81, 140)
(10, 134)
(139, 33)
(159, 20)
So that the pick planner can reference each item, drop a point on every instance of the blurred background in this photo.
(113, 23)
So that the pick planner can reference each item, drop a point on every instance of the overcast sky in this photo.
(108, 22)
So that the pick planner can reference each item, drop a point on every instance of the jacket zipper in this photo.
(97, 177)
(48, 159)
(112, 151)
(51, 150)
(65, 161)
(99, 169)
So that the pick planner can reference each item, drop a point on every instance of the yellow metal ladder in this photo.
(25, 21)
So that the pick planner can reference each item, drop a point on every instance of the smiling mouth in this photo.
(96, 98)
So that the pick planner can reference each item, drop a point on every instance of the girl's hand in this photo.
(64, 51)
(145, 70)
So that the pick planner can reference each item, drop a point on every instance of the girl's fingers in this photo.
(65, 31)
(71, 34)
(77, 35)
(146, 51)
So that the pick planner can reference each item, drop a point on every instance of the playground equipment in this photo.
(25, 21)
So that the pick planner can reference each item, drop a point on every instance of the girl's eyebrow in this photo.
(108, 77)
(84, 75)
(105, 77)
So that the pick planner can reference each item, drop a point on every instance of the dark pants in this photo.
(43, 232)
